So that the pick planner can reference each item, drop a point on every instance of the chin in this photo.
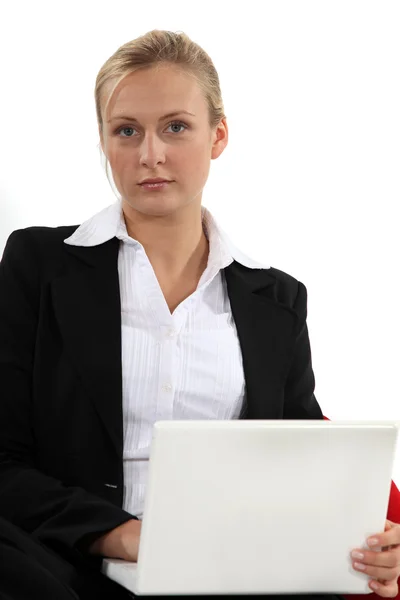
(153, 205)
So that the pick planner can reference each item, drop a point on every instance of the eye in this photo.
(173, 123)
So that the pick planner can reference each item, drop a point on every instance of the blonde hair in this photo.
(152, 50)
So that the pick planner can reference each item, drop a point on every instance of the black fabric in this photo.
(29, 570)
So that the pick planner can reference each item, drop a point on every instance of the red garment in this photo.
(393, 514)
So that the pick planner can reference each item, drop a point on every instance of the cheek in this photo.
(194, 160)
(200, 165)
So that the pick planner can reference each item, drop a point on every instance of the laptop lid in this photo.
(260, 507)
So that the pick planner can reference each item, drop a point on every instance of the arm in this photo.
(122, 542)
(65, 518)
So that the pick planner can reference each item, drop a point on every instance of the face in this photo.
(177, 148)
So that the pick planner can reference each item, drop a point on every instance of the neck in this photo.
(175, 244)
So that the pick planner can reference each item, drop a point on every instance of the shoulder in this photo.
(39, 238)
(36, 248)
(290, 291)
(283, 279)
(286, 288)
(280, 287)
(42, 236)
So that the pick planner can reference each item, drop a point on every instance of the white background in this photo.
(309, 182)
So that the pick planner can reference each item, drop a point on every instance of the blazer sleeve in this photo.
(299, 399)
(65, 518)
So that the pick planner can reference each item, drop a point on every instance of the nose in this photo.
(152, 151)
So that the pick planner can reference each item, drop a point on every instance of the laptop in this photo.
(260, 507)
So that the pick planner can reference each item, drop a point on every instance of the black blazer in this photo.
(61, 430)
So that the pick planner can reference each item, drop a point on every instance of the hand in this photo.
(121, 542)
(383, 566)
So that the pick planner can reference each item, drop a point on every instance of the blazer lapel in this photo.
(87, 307)
(266, 330)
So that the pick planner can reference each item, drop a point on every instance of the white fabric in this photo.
(187, 365)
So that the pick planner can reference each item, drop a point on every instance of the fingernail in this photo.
(374, 586)
(372, 541)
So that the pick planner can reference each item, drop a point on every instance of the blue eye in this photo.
(179, 123)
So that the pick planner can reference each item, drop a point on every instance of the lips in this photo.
(155, 181)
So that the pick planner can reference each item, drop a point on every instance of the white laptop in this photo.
(260, 507)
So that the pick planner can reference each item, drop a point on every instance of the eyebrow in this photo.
(172, 114)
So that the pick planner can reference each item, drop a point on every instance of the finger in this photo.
(391, 537)
(388, 589)
(384, 573)
(387, 558)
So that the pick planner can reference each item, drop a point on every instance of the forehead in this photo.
(149, 92)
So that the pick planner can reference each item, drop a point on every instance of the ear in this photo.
(220, 139)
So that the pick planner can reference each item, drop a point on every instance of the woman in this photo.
(144, 312)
